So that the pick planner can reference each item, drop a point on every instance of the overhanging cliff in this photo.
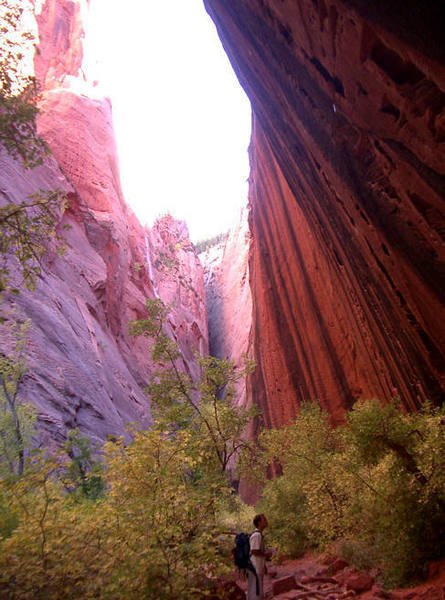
(347, 197)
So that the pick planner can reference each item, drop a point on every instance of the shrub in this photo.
(279, 500)
(147, 524)
(307, 451)
(17, 418)
(400, 507)
(151, 535)
(376, 483)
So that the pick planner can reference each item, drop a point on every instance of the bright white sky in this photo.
(182, 121)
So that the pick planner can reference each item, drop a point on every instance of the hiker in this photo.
(258, 556)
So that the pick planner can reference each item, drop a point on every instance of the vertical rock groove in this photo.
(347, 199)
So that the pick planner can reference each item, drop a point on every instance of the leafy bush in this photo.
(236, 516)
(279, 500)
(376, 484)
(17, 418)
(83, 475)
(151, 535)
(307, 452)
(150, 522)
(401, 510)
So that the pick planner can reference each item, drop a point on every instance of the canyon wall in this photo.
(347, 193)
(229, 301)
(83, 368)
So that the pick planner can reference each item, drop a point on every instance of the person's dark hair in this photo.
(257, 519)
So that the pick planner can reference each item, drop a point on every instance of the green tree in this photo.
(375, 486)
(17, 418)
(396, 518)
(153, 534)
(206, 407)
(207, 243)
(84, 471)
(307, 500)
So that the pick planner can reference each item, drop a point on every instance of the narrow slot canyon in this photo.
(319, 267)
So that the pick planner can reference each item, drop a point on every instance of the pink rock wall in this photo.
(179, 280)
(83, 368)
(60, 45)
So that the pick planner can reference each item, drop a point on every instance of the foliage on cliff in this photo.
(26, 227)
(207, 243)
(375, 486)
(205, 407)
(18, 89)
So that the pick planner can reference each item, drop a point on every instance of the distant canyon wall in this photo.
(229, 300)
(347, 196)
(83, 368)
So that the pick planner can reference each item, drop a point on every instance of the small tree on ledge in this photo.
(206, 407)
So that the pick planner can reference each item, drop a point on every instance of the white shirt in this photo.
(257, 543)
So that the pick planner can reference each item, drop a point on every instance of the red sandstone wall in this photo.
(347, 198)
(83, 369)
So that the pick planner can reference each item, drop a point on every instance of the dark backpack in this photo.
(241, 555)
(241, 552)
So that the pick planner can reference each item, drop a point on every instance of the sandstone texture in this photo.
(347, 193)
(83, 368)
(359, 582)
(298, 579)
(284, 584)
(179, 281)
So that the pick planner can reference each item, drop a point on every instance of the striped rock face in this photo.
(347, 198)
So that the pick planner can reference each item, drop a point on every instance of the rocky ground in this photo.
(323, 578)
